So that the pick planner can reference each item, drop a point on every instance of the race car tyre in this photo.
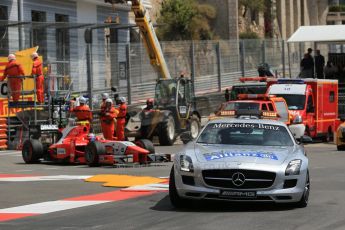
(32, 151)
(305, 197)
(92, 150)
(175, 199)
(145, 144)
(168, 133)
(341, 147)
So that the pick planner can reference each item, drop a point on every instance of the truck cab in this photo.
(312, 102)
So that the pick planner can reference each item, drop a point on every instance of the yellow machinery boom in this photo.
(143, 21)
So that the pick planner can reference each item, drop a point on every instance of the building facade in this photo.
(57, 27)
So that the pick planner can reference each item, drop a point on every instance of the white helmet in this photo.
(109, 101)
(82, 100)
(11, 57)
(105, 96)
(122, 99)
(34, 55)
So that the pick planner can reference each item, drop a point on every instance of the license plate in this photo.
(238, 194)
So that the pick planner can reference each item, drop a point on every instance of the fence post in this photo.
(192, 61)
(89, 72)
(242, 54)
(263, 51)
(283, 57)
(219, 67)
(128, 60)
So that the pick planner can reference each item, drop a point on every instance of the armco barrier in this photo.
(3, 133)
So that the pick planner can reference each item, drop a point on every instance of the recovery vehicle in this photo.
(175, 107)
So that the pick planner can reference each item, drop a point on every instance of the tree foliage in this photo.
(253, 5)
(185, 20)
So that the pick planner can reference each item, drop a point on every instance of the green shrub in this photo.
(337, 8)
(248, 35)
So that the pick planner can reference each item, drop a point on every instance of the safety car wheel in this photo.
(32, 151)
(305, 197)
(175, 199)
(92, 150)
(341, 147)
(145, 144)
(168, 133)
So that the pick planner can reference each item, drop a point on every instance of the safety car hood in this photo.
(275, 155)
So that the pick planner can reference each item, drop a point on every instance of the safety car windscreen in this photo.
(245, 134)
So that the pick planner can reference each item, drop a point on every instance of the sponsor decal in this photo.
(245, 125)
(229, 154)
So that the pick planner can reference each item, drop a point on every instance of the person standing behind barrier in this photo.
(121, 119)
(14, 70)
(82, 112)
(319, 64)
(307, 66)
(37, 71)
(105, 96)
(330, 70)
(107, 120)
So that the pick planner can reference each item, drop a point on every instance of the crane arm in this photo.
(154, 50)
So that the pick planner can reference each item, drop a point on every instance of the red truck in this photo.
(313, 102)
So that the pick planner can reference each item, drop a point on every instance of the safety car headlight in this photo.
(293, 167)
(186, 164)
(297, 120)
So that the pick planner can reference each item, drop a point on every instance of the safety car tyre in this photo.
(341, 147)
(145, 144)
(168, 133)
(305, 197)
(175, 199)
(92, 150)
(32, 151)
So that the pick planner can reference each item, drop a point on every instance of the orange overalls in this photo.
(121, 122)
(107, 122)
(82, 112)
(14, 69)
(37, 70)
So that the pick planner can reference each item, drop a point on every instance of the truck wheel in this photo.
(328, 137)
(32, 151)
(92, 150)
(305, 197)
(195, 126)
(340, 147)
(168, 133)
(175, 199)
(145, 144)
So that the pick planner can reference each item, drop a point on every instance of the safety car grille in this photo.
(251, 179)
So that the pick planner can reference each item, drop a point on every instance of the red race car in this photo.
(75, 144)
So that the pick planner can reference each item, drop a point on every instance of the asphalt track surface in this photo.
(326, 209)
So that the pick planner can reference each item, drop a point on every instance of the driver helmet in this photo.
(91, 137)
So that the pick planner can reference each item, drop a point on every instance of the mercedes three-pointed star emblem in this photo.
(238, 179)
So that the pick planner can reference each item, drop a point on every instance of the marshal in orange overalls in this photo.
(107, 122)
(121, 122)
(37, 70)
(14, 70)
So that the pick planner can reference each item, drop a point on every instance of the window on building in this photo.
(3, 32)
(39, 32)
(62, 37)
